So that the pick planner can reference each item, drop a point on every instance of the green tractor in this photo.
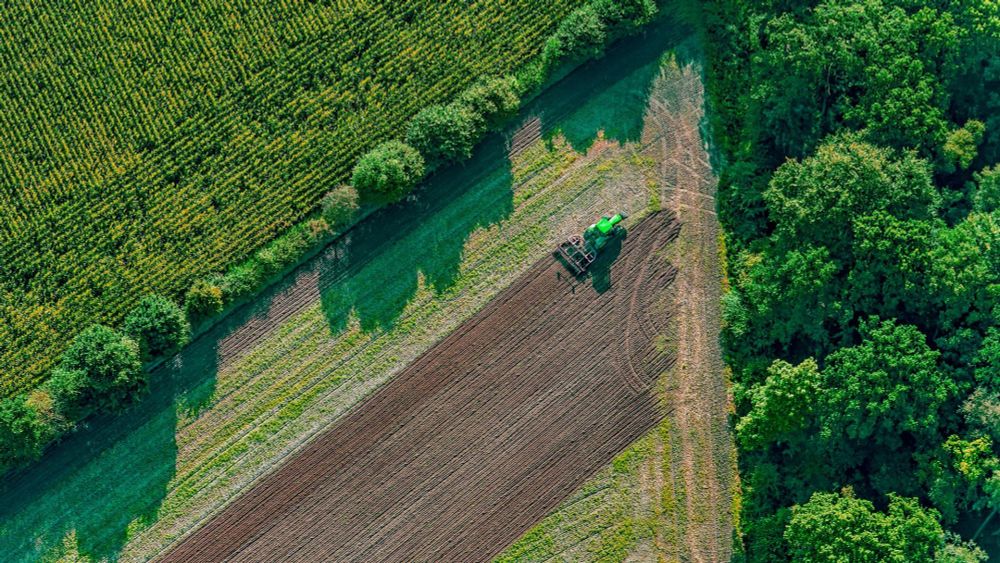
(579, 252)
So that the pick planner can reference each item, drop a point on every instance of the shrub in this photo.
(493, 99)
(243, 279)
(286, 250)
(625, 14)
(65, 387)
(158, 325)
(580, 36)
(389, 171)
(203, 299)
(112, 368)
(531, 76)
(340, 205)
(444, 133)
(24, 431)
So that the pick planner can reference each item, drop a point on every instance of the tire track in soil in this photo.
(477, 439)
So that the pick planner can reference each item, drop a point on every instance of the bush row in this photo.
(102, 371)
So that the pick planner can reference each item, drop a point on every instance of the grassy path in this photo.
(670, 496)
(258, 387)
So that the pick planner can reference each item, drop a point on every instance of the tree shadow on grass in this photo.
(383, 259)
(110, 475)
(610, 95)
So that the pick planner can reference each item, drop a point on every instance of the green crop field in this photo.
(143, 145)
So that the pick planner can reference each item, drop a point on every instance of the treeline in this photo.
(105, 370)
(860, 203)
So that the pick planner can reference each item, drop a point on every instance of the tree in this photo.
(817, 199)
(982, 412)
(24, 432)
(893, 259)
(110, 360)
(493, 99)
(781, 405)
(842, 528)
(340, 205)
(957, 474)
(960, 146)
(987, 362)
(957, 551)
(66, 387)
(445, 133)
(965, 273)
(987, 194)
(389, 171)
(786, 299)
(886, 385)
(203, 299)
(158, 325)
(580, 36)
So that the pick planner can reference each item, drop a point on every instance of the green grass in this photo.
(375, 301)
(143, 145)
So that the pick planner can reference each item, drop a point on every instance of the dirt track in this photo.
(480, 437)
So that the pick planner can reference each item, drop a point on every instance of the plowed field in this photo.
(480, 437)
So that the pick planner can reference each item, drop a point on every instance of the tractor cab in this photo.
(579, 252)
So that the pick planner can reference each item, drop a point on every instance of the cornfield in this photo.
(146, 144)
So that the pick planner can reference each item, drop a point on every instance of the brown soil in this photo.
(481, 436)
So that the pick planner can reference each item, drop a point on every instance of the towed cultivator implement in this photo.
(579, 252)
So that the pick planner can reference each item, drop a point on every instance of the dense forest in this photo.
(859, 194)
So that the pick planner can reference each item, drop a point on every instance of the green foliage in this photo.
(66, 388)
(893, 259)
(159, 325)
(390, 171)
(781, 405)
(957, 475)
(627, 14)
(110, 360)
(582, 35)
(886, 385)
(203, 299)
(957, 551)
(817, 199)
(869, 64)
(494, 99)
(834, 527)
(987, 195)
(24, 431)
(961, 145)
(340, 206)
(783, 299)
(444, 133)
(987, 362)
(887, 107)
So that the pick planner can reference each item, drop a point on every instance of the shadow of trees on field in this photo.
(380, 264)
(111, 476)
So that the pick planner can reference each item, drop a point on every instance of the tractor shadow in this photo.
(600, 271)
